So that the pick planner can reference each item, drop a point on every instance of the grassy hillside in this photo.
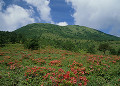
(72, 37)
(65, 32)
(51, 55)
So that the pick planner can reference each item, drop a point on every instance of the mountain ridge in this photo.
(69, 31)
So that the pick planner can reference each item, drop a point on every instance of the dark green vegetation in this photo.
(10, 37)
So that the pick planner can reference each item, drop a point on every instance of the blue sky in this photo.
(103, 15)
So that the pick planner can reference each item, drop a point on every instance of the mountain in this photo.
(64, 32)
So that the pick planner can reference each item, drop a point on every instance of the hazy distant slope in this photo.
(70, 31)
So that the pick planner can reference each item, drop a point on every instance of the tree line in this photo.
(10, 38)
(66, 44)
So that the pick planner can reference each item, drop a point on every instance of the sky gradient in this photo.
(103, 15)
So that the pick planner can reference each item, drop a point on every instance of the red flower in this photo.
(27, 79)
(61, 70)
(67, 75)
(51, 77)
(72, 69)
(75, 72)
(85, 79)
(10, 63)
(53, 74)
(59, 75)
(114, 61)
(85, 83)
(80, 84)
(73, 80)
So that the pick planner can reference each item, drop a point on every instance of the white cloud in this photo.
(98, 14)
(62, 23)
(43, 8)
(14, 17)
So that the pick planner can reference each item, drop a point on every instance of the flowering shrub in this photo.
(39, 61)
(59, 77)
(55, 62)
(54, 67)
(65, 78)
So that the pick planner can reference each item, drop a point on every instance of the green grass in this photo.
(53, 67)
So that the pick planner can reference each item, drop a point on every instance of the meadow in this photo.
(55, 67)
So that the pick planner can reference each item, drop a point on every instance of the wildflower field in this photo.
(55, 67)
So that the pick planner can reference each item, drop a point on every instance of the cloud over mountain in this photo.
(14, 17)
(100, 14)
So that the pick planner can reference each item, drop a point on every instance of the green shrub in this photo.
(118, 52)
(113, 51)
(104, 47)
(32, 44)
(91, 50)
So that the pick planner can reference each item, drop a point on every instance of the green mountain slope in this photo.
(70, 32)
